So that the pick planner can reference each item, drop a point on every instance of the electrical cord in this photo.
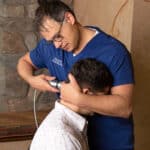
(53, 83)
(34, 109)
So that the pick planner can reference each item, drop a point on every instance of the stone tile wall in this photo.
(17, 36)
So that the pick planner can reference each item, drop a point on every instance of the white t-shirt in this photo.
(62, 129)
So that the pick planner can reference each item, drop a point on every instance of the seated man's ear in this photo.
(86, 91)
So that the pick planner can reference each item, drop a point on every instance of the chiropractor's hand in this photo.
(40, 82)
(76, 108)
(71, 96)
(70, 92)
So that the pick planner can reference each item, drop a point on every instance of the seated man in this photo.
(64, 128)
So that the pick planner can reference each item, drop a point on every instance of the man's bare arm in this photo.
(119, 103)
(26, 69)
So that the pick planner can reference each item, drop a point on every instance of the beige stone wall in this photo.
(113, 16)
(17, 36)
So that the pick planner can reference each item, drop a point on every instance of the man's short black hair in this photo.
(92, 74)
(52, 9)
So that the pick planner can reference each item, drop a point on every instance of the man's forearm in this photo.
(119, 105)
(112, 105)
(25, 69)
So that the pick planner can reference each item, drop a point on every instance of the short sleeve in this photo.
(37, 55)
(122, 68)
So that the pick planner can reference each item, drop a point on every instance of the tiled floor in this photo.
(19, 145)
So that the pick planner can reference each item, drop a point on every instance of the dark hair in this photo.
(92, 74)
(52, 9)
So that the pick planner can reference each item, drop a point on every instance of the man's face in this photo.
(63, 35)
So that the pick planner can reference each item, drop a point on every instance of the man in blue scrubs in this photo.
(66, 41)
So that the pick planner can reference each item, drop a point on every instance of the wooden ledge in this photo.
(19, 125)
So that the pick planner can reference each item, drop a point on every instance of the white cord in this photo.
(34, 109)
